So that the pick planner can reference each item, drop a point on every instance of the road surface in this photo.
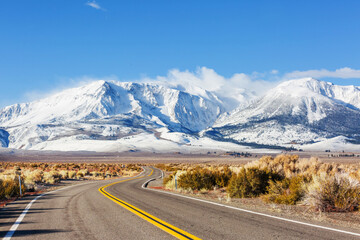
(84, 212)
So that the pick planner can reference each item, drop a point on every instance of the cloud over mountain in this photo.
(183, 110)
(345, 72)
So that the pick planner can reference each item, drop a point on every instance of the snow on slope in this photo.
(240, 98)
(302, 111)
(101, 99)
(346, 95)
(118, 116)
(306, 97)
(107, 111)
(148, 143)
(339, 143)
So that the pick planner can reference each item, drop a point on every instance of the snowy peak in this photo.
(304, 99)
(347, 95)
(301, 110)
(69, 105)
(106, 110)
(102, 99)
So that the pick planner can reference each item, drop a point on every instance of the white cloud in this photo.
(95, 5)
(345, 72)
(274, 71)
(236, 89)
(202, 77)
(61, 85)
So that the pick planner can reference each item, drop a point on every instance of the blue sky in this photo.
(47, 45)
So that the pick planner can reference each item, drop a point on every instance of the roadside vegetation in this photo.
(36, 176)
(284, 179)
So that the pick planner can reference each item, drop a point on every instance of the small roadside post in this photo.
(18, 171)
(175, 182)
(20, 184)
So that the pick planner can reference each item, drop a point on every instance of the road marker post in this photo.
(20, 185)
(175, 182)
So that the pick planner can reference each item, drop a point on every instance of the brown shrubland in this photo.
(284, 179)
(34, 175)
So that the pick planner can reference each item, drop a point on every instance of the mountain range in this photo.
(123, 116)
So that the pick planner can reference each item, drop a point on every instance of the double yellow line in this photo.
(176, 232)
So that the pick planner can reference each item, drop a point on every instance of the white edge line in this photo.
(13, 228)
(248, 211)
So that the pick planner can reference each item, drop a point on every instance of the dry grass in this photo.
(291, 165)
(169, 183)
(284, 179)
(286, 191)
(338, 193)
(37, 174)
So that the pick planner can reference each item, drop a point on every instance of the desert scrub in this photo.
(170, 183)
(97, 174)
(222, 177)
(31, 178)
(171, 167)
(71, 174)
(286, 191)
(51, 177)
(10, 188)
(291, 165)
(204, 178)
(338, 193)
(250, 182)
(80, 175)
(64, 174)
(35, 174)
(168, 178)
(197, 179)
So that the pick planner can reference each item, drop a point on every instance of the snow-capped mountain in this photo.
(108, 110)
(301, 111)
(103, 99)
(119, 116)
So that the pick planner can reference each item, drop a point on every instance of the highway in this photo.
(122, 209)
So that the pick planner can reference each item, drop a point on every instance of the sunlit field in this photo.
(284, 179)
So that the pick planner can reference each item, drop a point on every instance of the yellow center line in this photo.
(176, 232)
(152, 171)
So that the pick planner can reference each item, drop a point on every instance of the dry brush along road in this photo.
(125, 209)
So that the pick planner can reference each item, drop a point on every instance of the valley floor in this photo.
(12, 155)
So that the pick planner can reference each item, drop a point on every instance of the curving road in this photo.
(84, 212)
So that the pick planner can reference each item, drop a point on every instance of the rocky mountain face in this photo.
(301, 111)
(4, 138)
(296, 111)
(108, 110)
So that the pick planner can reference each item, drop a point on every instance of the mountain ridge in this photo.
(303, 111)
(299, 111)
(102, 109)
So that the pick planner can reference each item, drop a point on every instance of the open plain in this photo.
(13, 155)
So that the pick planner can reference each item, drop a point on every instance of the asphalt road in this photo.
(83, 212)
